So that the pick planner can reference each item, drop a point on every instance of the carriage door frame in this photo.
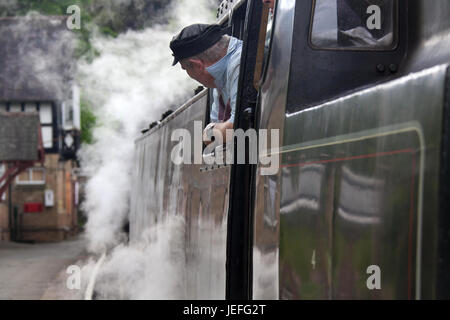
(239, 233)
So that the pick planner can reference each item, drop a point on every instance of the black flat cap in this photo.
(194, 39)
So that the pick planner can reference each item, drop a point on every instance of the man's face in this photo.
(196, 69)
(269, 3)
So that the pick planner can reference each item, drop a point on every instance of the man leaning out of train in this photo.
(212, 58)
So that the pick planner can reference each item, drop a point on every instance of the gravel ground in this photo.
(38, 271)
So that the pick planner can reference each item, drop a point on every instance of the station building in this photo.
(36, 76)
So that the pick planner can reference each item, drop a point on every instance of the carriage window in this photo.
(264, 42)
(354, 24)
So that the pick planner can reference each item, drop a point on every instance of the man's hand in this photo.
(208, 133)
(216, 129)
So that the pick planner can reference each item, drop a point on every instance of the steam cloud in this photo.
(42, 67)
(130, 84)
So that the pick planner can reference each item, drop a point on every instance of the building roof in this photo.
(19, 136)
(35, 58)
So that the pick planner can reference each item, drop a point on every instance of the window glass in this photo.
(37, 175)
(267, 24)
(268, 37)
(45, 113)
(355, 24)
(30, 107)
(3, 107)
(67, 111)
(34, 176)
(23, 176)
(15, 107)
(47, 137)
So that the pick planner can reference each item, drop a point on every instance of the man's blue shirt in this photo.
(226, 75)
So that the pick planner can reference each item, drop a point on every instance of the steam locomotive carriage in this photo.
(360, 205)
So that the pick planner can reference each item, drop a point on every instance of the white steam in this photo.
(130, 85)
(151, 269)
(42, 65)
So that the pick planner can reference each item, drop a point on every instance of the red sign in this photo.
(33, 207)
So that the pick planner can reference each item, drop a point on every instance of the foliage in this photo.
(88, 121)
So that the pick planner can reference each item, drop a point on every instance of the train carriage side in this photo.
(186, 203)
(359, 207)
(189, 206)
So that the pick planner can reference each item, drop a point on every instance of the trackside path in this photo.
(37, 271)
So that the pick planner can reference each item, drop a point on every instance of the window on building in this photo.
(46, 115)
(31, 176)
(15, 107)
(30, 107)
(71, 111)
(47, 137)
(354, 24)
(67, 113)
